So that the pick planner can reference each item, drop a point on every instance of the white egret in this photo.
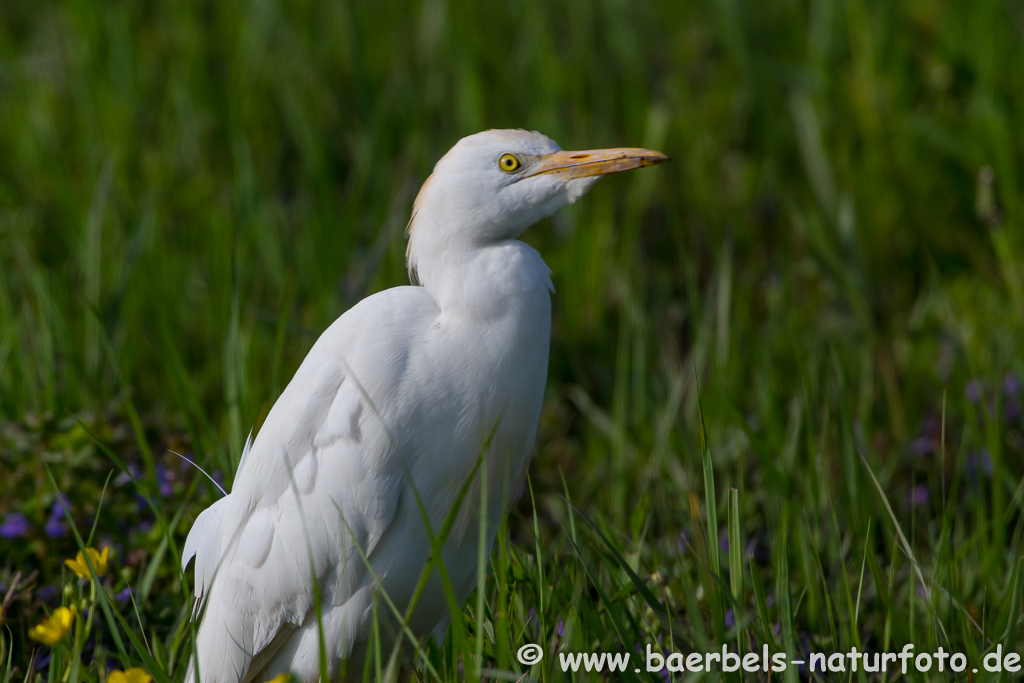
(403, 392)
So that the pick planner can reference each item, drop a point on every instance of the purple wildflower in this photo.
(55, 527)
(802, 666)
(682, 542)
(1011, 385)
(973, 391)
(730, 619)
(723, 543)
(125, 595)
(918, 496)
(164, 477)
(218, 477)
(14, 525)
(560, 628)
(59, 505)
(664, 669)
(979, 462)
(920, 447)
(126, 477)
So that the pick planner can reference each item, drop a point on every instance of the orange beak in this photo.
(596, 162)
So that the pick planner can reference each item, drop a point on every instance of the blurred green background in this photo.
(190, 192)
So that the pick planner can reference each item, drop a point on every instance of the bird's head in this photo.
(493, 185)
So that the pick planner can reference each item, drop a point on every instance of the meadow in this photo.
(784, 405)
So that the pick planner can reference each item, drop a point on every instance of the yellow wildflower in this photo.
(53, 630)
(99, 562)
(132, 675)
(280, 678)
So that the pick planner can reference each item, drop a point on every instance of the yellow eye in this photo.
(509, 163)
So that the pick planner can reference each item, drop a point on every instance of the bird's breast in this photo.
(485, 375)
(496, 363)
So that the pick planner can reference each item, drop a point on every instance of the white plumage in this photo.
(404, 390)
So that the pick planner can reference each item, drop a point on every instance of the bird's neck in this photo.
(485, 280)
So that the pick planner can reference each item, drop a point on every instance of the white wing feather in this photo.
(320, 451)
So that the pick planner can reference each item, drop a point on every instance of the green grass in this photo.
(190, 192)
